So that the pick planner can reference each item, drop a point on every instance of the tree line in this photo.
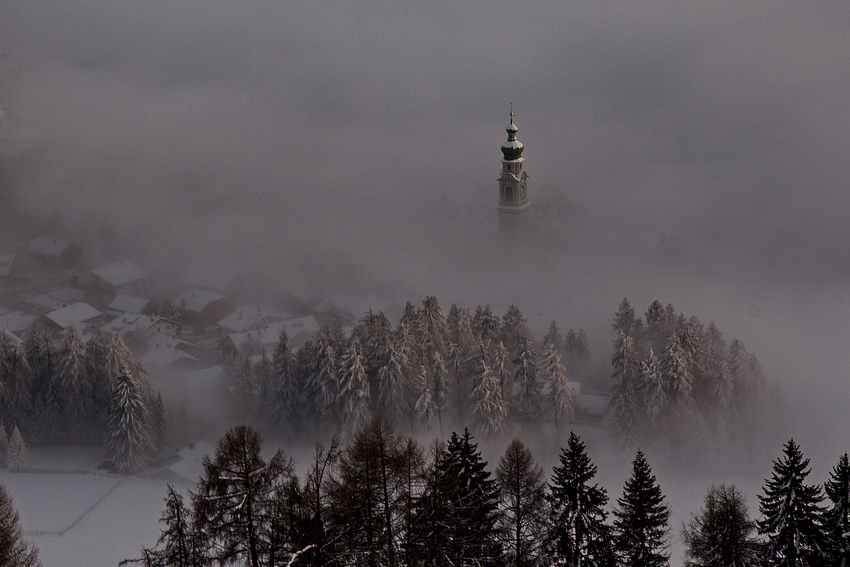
(677, 380)
(90, 392)
(431, 369)
(379, 501)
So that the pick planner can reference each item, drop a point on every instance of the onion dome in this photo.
(512, 149)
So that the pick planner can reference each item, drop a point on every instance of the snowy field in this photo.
(80, 517)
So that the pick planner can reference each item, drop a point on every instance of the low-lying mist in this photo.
(692, 154)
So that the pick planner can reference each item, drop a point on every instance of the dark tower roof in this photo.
(512, 149)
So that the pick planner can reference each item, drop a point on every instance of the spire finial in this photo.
(512, 112)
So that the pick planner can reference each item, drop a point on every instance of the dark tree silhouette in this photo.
(721, 533)
(641, 532)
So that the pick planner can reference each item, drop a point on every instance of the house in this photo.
(16, 322)
(252, 316)
(57, 299)
(113, 279)
(54, 253)
(130, 304)
(203, 307)
(78, 315)
(298, 331)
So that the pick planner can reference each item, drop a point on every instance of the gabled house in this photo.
(79, 315)
(202, 307)
(114, 279)
(54, 253)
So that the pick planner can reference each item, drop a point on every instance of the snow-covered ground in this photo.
(102, 518)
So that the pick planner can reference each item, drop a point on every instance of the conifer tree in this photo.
(395, 386)
(837, 516)
(129, 438)
(425, 406)
(485, 325)
(623, 404)
(577, 531)
(555, 375)
(354, 390)
(178, 545)
(525, 376)
(522, 487)
(15, 377)
(488, 405)
(578, 353)
(652, 389)
(720, 534)
(286, 394)
(75, 390)
(235, 497)
(502, 369)
(641, 531)
(4, 447)
(456, 516)
(792, 517)
(14, 549)
(17, 449)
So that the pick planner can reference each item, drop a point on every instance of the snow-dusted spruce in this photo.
(286, 396)
(17, 453)
(75, 388)
(354, 390)
(652, 389)
(425, 406)
(324, 378)
(641, 531)
(577, 532)
(837, 516)
(485, 325)
(525, 375)
(15, 551)
(129, 437)
(488, 405)
(792, 516)
(577, 351)
(624, 403)
(394, 385)
(555, 375)
(502, 370)
(522, 489)
(15, 398)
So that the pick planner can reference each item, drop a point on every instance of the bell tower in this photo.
(513, 182)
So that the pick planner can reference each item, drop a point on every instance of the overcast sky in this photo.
(691, 152)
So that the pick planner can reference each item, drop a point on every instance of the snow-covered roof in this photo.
(16, 321)
(129, 304)
(6, 261)
(73, 315)
(187, 463)
(47, 246)
(120, 273)
(129, 322)
(268, 336)
(252, 316)
(196, 299)
(58, 298)
(210, 274)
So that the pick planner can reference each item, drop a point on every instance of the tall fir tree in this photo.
(792, 516)
(837, 516)
(354, 391)
(641, 530)
(577, 531)
(555, 375)
(129, 439)
(15, 551)
(527, 400)
(488, 405)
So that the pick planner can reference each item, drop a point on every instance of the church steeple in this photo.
(513, 182)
